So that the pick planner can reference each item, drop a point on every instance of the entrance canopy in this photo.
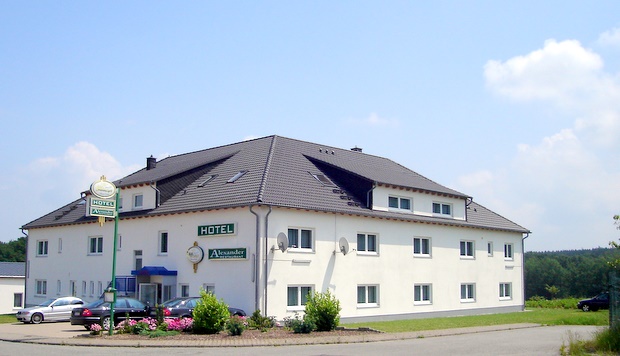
(153, 271)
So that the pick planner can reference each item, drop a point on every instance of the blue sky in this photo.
(516, 103)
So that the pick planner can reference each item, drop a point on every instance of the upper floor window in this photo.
(59, 245)
(442, 209)
(368, 295)
(138, 201)
(300, 239)
(399, 203)
(421, 246)
(508, 252)
(490, 248)
(42, 246)
(95, 245)
(467, 249)
(297, 296)
(367, 243)
(422, 294)
(468, 292)
(163, 243)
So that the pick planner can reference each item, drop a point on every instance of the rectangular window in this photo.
(422, 294)
(59, 245)
(72, 289)
(399, 203)
(421, 246)
(505, 291)
(120, 203)
(40, 287)
(137, 259)
(442, 209)
(58, 287)
(99, 288)
(209, 287)
(468, 292)
(42, 247)
(367, 243)
(467, 249)
(297, 296)
(490, 248)
(18, 300)
(508, 252)
(92, 288)
(163, 243)
(300, 239)
(83, 288)
(367, 296)
(138, 200)
(119, 242)
(95, 245)
(184, 290)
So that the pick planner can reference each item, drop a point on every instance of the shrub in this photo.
(235, 325)
(260, 322)
(180, 324)
(125, 326)
(210, 315)
(299, 325)
(323, 309)
(95, 329)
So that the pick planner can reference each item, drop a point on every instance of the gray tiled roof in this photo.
(12, 269)
(279, 173)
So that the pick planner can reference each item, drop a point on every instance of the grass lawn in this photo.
(7, 318)
(544, 316)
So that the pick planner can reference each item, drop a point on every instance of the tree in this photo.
(13, 251)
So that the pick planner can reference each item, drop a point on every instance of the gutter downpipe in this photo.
(527, 234)
(158, 196)
(368, 205)
(26, 271)
(266, 261)
(257, 261)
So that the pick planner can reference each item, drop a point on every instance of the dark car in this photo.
(601, 301)
(98, 312)
(184, 307)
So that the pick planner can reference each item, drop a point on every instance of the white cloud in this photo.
(375, 120)
(566, 187)
(610, 38)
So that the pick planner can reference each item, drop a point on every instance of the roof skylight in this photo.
(323, 179)
(209, 178)
(237, 176)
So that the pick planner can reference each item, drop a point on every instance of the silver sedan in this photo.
(55, 309)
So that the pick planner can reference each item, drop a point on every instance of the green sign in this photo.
(213, 230)
(103, 203)
(227, 253)
(107, 213)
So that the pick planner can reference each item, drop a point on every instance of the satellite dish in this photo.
(344, 245)
(282, 241)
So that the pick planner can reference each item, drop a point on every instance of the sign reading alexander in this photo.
(228, 253)
(214, 230)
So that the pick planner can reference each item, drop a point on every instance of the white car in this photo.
(55, 309)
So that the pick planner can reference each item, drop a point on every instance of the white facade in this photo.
(455, 269)
(11, 294)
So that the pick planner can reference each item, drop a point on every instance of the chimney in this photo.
(151, 162)
(356, 149)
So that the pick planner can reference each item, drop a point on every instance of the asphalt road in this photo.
(544, 340)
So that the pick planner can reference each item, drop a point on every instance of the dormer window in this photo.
(138, 200)
(399, 203)
(442, 209)
(237, 176)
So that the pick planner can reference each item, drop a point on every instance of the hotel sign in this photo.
(217, 230)
(228, 253)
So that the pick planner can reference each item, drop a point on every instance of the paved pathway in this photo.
(66, 334)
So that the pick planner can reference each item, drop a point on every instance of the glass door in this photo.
(148, 293)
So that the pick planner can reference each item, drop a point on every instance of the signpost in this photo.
(104, 204)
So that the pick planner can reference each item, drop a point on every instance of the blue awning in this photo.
(153, 271)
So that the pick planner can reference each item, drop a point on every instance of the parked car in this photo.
(98, 312)
(601, 301)
(184, 307)
(55, 309)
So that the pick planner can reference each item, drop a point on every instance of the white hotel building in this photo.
(415, 248)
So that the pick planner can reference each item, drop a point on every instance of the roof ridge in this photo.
(261, 188)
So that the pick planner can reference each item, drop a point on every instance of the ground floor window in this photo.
(297, 296)
(368, 296)
(505, 291)
(18, 300)
(40, 287)
(422, 294)
(184, 290)
(209, 288)
(468, 292)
